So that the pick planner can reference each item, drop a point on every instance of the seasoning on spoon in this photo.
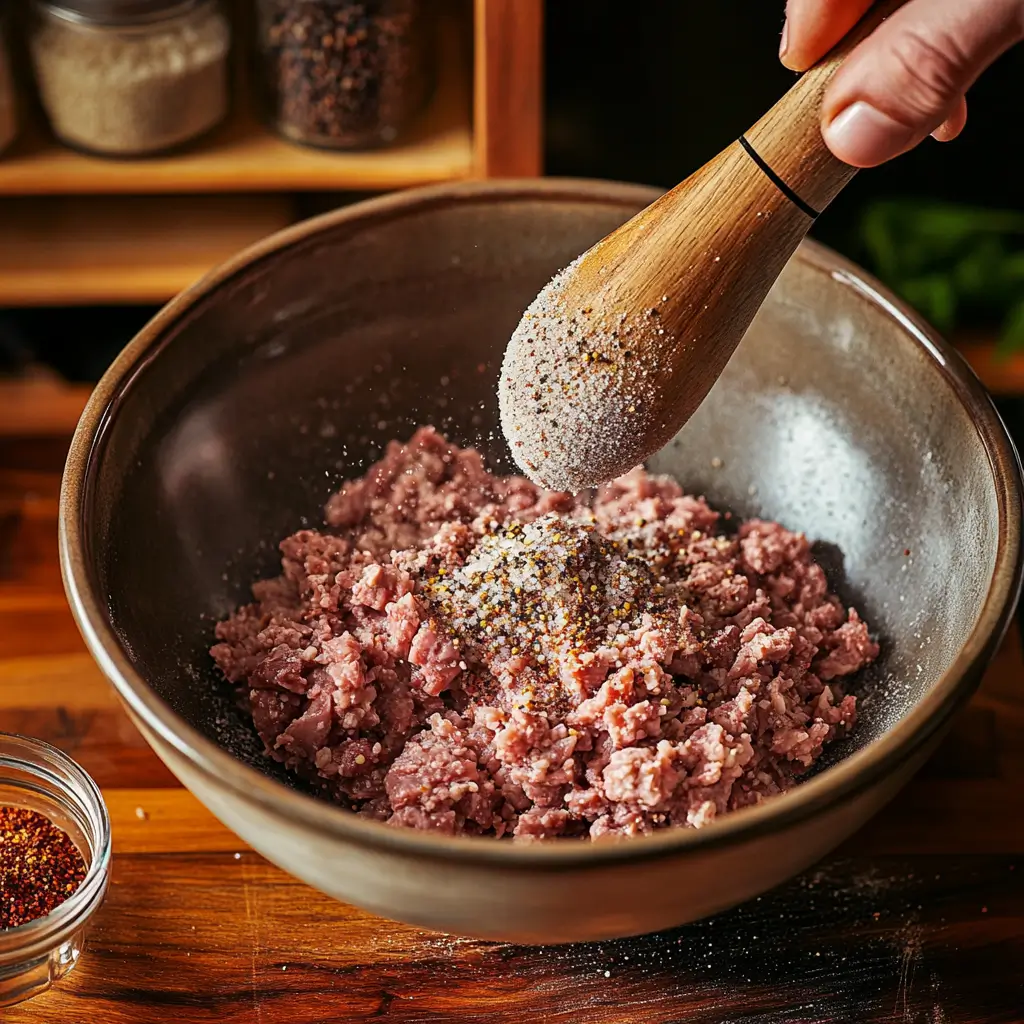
(40, 867)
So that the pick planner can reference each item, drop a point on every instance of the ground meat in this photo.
(467, 653)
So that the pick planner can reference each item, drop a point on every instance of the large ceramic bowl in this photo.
(229, 420)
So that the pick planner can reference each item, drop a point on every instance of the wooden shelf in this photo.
(41, 406)
(79, 229)
(244, 156)
(123, 249)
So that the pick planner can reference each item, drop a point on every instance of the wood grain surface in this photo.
(920, 918)
(508, 88)
(77, 250)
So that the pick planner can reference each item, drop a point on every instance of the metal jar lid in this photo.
(119, 12)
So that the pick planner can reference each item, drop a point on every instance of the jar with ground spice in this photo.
(131, 77)
(54, 864)
(8, 106)
(345, 74)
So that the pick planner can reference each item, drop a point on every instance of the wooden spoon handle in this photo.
(787, 141)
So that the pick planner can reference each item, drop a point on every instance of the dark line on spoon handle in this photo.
(777, 181)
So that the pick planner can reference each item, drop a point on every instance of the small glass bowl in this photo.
(39, 777)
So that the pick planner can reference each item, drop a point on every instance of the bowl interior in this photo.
(247, 411)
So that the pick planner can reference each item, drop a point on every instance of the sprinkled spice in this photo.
(40, 867)
(532, 596)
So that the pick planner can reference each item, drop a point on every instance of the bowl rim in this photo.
(843, 781)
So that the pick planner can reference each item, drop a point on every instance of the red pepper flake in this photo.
(40, 867)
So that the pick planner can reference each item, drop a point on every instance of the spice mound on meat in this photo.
(469, 653)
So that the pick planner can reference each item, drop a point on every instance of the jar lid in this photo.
(119, 12)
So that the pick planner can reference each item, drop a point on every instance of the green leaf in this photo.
(879, 240)
(1012, 338)
(980, 274)
(946, 259)
(1014, 267)
(935, 297)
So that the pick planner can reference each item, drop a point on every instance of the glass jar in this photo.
(39, 777)
(345, 74)
(131, 77)
(8, 105)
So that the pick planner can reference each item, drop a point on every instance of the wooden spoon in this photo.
(617, 352)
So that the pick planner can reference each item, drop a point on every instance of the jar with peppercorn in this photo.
(345, 74)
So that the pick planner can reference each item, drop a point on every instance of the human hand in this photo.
(908, 78)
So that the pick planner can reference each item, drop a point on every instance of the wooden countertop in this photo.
(919, 918)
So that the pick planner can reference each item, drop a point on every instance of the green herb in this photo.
(958, 265)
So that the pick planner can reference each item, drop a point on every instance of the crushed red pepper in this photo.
(40, 867)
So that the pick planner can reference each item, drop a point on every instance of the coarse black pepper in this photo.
(345, 74)
(532, 597)
(40, 867)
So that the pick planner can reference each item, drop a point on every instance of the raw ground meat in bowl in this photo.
(463, 652)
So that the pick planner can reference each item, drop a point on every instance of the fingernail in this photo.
(863, 136)
(784, 42)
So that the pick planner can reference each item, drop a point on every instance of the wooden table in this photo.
(920, 918)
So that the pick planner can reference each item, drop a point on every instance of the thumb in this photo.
(909, 77)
